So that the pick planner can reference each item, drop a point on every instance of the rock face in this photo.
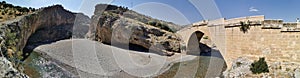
(50, 24)
(297, 73)
(122, 27)
(240, 68)
(7, 70)
(46, 25)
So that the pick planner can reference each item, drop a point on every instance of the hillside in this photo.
(127, 13)
(148, 20)
(9, 11)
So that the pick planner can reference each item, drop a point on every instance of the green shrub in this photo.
(259, 66)
(3, 2)
(31, 9)
(160, 25)
(245, 26)
(23, 9)
(153, 23)
(205, 37)
(143, 20)
(7, 5)
(11, 38)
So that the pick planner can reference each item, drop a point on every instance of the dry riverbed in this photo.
(85, 58)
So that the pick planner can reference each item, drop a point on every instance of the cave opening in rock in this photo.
(139, 48)
(47, 35)
(131, 46)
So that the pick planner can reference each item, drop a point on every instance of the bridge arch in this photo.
(193, 43)
(191, 37)
(199, 41)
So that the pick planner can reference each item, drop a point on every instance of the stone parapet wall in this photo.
(273, 44)
(244, 19)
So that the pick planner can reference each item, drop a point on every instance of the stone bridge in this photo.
(217, 35)
(277, 41)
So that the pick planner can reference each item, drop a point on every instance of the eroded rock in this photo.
(49, 23)
(7, 70)
(111, 27)
(240, 68)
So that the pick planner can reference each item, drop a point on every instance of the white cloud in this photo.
(253, 9)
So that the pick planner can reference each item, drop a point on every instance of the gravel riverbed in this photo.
(93, 59)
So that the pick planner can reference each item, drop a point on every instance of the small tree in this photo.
(245, 26)
(153, 23)
(3, 2)
(31, 9)
(158, 24)
(259, 66)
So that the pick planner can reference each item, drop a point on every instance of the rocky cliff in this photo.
(8, 71)
(113, 25)
(46, 25)
(124, 28)
(52, 23)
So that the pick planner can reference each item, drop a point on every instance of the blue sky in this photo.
(185, 11)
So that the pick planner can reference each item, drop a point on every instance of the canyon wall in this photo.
(53, 21)
(130, 30)
(45, 25)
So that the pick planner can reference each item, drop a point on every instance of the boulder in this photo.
(7, 70)
(297, 73)
(240, 68)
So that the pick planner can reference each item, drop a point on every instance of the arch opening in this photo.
(193, 45)
(196, 47)
(210, 61)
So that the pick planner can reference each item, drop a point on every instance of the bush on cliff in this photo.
(245, 26)
(160, 25)
(259, 66)
(10, 11)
